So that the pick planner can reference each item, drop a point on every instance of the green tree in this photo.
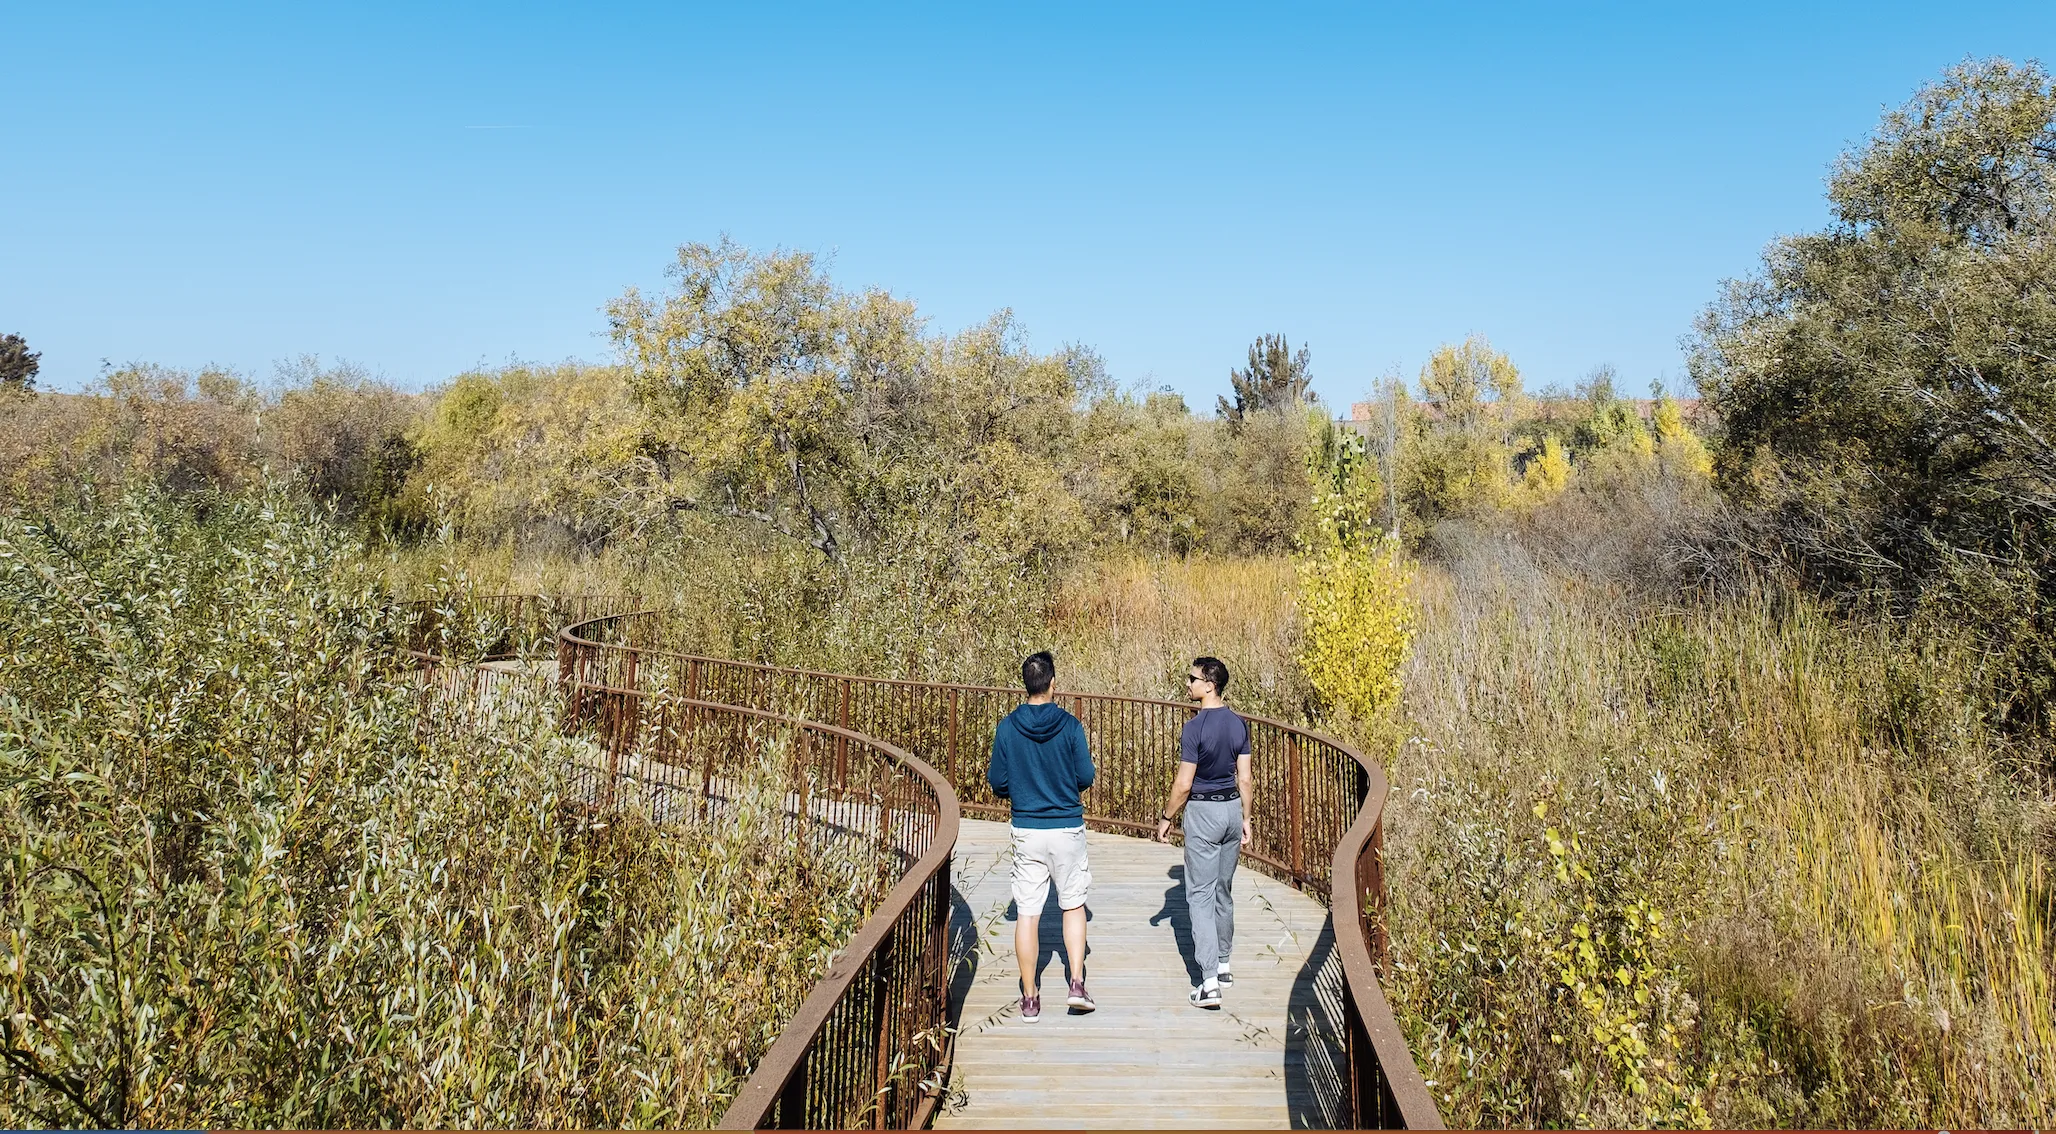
(1275, 379)
(748, 362)
(18, 365)
(1888, 385)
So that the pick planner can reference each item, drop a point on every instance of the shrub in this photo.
(1852, 887)
(250, 883)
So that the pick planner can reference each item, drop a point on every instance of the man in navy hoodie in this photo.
(1040, 764)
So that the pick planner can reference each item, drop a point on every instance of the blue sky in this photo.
(241, 185)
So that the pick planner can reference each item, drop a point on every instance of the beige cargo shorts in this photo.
(1046, 855)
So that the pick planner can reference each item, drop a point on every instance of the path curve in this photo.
(1270, 1058)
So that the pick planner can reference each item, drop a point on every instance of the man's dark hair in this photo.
(1214, 670)
(1037, 672)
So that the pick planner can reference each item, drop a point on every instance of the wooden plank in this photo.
(1132, 1062)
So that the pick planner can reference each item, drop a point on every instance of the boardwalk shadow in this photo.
(1180, 916)
(963, 955)
(1316, 1053)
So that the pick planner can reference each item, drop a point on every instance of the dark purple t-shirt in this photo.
(1212, 739)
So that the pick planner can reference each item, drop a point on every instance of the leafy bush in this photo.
(250, 883)
(1887, 386)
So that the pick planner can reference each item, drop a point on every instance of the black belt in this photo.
(1217, 796)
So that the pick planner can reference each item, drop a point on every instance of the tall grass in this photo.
(1846, 867)
(1133, 626)
(1727, 861)
(248, 882)
(732, 593)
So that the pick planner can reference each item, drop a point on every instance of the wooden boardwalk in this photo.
(1269, 1058)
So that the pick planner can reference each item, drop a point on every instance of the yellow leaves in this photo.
(1606, 963)
(1549, 473)
(1358, 619)
(1461, 378)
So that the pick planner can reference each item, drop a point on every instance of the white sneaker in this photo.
(1207, 995)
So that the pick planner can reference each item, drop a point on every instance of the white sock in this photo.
(1224, 967)
(1210, 985)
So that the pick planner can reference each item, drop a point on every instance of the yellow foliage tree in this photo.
(1550, 472)
(1681, 449)
(1356, 607)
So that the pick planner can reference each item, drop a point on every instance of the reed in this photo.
(1851, 869)
(249, 882)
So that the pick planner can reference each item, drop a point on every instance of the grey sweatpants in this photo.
(1213, 841)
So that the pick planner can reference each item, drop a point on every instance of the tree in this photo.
(1275, 379)
(18, 365)
(1888, 385)
(776, 398)
(749, 361)
(1459, 459)
(1899, 369)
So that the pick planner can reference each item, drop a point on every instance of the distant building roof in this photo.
(1547, 407)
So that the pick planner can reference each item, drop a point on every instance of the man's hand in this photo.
(1246, 836)
(1163, 834)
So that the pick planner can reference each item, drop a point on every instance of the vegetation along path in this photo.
(916, 1019)
(1269, 1058)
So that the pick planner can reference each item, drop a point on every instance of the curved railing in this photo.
(1317, 819)
(864, 1049)
(867, 1045)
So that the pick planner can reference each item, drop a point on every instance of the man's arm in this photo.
(1181, 790)
(1245, 782)
(996, 768)
(1081, 759)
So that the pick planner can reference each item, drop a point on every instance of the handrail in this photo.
(890, 985)
(887, 992)
(1324, 784)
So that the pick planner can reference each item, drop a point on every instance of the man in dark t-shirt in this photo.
(1213, 786)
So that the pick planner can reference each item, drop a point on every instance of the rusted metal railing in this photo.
(868, 1046)
(1317, 818)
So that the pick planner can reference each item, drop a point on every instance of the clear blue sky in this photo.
(243, 185)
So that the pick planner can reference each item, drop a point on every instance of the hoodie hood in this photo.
(1039, 723)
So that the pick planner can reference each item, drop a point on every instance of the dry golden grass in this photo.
(1132, 626)
(1861, 904)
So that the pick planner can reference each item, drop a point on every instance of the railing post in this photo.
(881, 1028)
(842, 743)
(938, 969)
(949, 759)
(1372, 906)
(613, 735)
(803, 748)
(792, 1101)
(1297, 803)
(1355, 1047)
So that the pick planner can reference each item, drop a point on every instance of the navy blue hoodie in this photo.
(1039, 762)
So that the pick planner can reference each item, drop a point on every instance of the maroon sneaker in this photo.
(1031, 1009)
(1080, 999)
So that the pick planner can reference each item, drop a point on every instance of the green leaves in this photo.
(1888, 386)
(253, 877)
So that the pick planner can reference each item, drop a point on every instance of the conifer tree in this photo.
(1275, 378)
(18, 364)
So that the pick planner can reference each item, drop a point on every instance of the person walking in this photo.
(1213, 786)
(1040, 765)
